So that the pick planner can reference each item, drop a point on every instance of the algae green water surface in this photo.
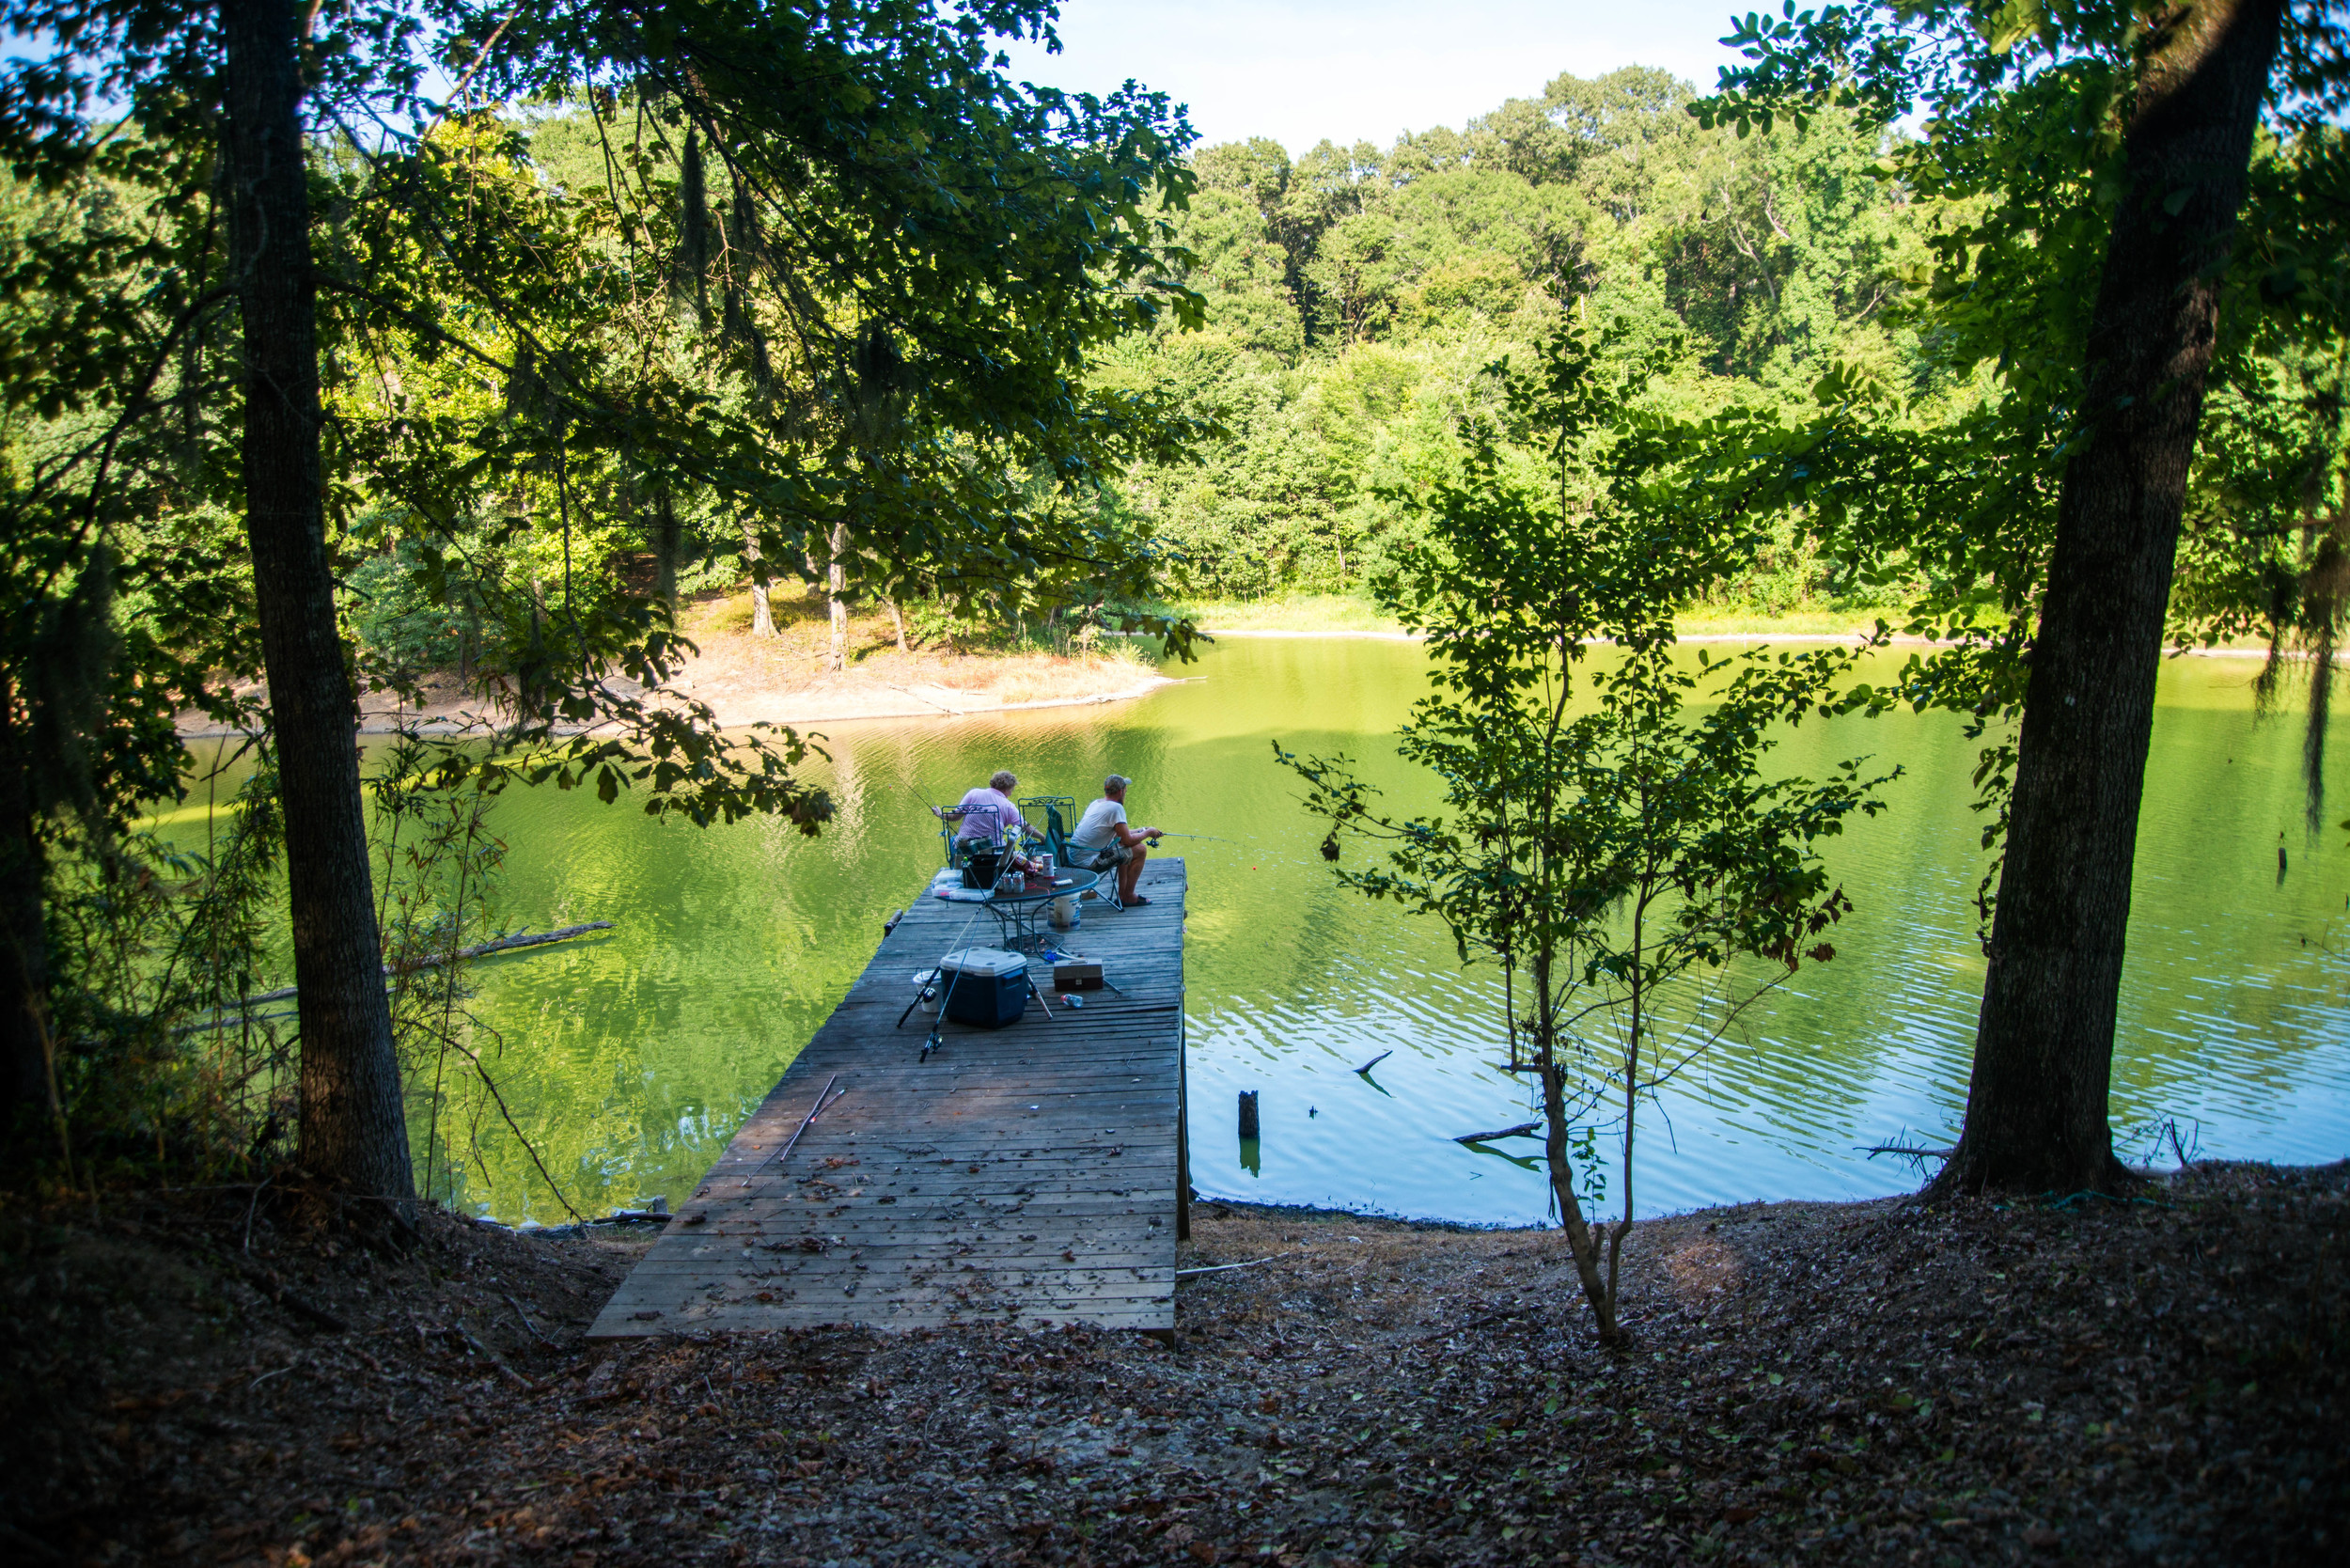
(630, 1058)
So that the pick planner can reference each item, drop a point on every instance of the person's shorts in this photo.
(1109, 857)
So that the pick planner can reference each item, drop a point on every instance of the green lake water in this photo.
(630, 1059)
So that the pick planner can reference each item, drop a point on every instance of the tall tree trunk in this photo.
(836, 582)
(2036, 1109)
(762, 612)
(668, 542)
(353, 1135)
(898, 618)
(23, 938)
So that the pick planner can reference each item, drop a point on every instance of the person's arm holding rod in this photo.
(1120, 843)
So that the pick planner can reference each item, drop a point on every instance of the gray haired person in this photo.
(996, 818)
(1103, 840)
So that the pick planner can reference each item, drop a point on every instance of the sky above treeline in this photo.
(1298, 71)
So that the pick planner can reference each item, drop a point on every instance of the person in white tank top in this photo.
(1103, 840)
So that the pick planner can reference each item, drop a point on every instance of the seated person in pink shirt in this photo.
(1002, 825)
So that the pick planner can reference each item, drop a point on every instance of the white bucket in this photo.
(1064, 917)
(927, 981)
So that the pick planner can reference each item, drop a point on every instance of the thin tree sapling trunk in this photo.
(898, 619)
(1581, 1245)
(668, 543)
(837, 582)
(762, 612)
(353, 1135)
(1637, 1024)
(2036, 1110)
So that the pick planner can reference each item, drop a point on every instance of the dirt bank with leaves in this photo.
(943, 671)
(2116, 1382)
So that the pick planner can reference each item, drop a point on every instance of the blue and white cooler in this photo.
(984, 987)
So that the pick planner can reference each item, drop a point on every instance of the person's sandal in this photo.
(1134, 902)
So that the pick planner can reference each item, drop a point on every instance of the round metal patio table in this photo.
(1017, 913)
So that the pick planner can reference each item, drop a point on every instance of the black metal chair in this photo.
(959, 846)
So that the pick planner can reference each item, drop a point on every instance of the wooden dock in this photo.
(1029, 1174)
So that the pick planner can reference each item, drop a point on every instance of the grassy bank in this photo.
(199, 1378)
(1344, 614)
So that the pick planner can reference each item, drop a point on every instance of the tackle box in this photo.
(1076, 976)
(986, 986)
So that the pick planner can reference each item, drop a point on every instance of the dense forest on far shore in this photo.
(1357, 295)
(1358, 300)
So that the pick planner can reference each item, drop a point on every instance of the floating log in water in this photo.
(235, 1018)
(480, 949)
(506, 944)
(1364, 1067)
(1523, 1129)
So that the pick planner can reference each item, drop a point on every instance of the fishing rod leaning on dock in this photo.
(938, 1024)
(826, 1098)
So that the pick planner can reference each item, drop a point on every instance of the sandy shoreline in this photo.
(785, 707)
(740, 683)
(787, 679)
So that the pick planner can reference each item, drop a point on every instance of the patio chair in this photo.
(1056, 810)
(960, 844)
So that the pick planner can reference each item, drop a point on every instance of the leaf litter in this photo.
(2159, 1380)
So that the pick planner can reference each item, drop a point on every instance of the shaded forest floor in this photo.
(2157, 1381)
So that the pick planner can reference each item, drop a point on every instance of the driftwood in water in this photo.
(504, 945)
(234, 1019)
(480, 949)
(1523, 1129)
(1364, 1067)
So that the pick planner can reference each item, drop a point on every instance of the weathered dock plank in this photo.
(1027, 1175)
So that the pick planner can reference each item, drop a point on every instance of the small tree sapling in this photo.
(1618, 851)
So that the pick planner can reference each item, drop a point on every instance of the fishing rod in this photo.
(826, 1098)
(947, 811)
